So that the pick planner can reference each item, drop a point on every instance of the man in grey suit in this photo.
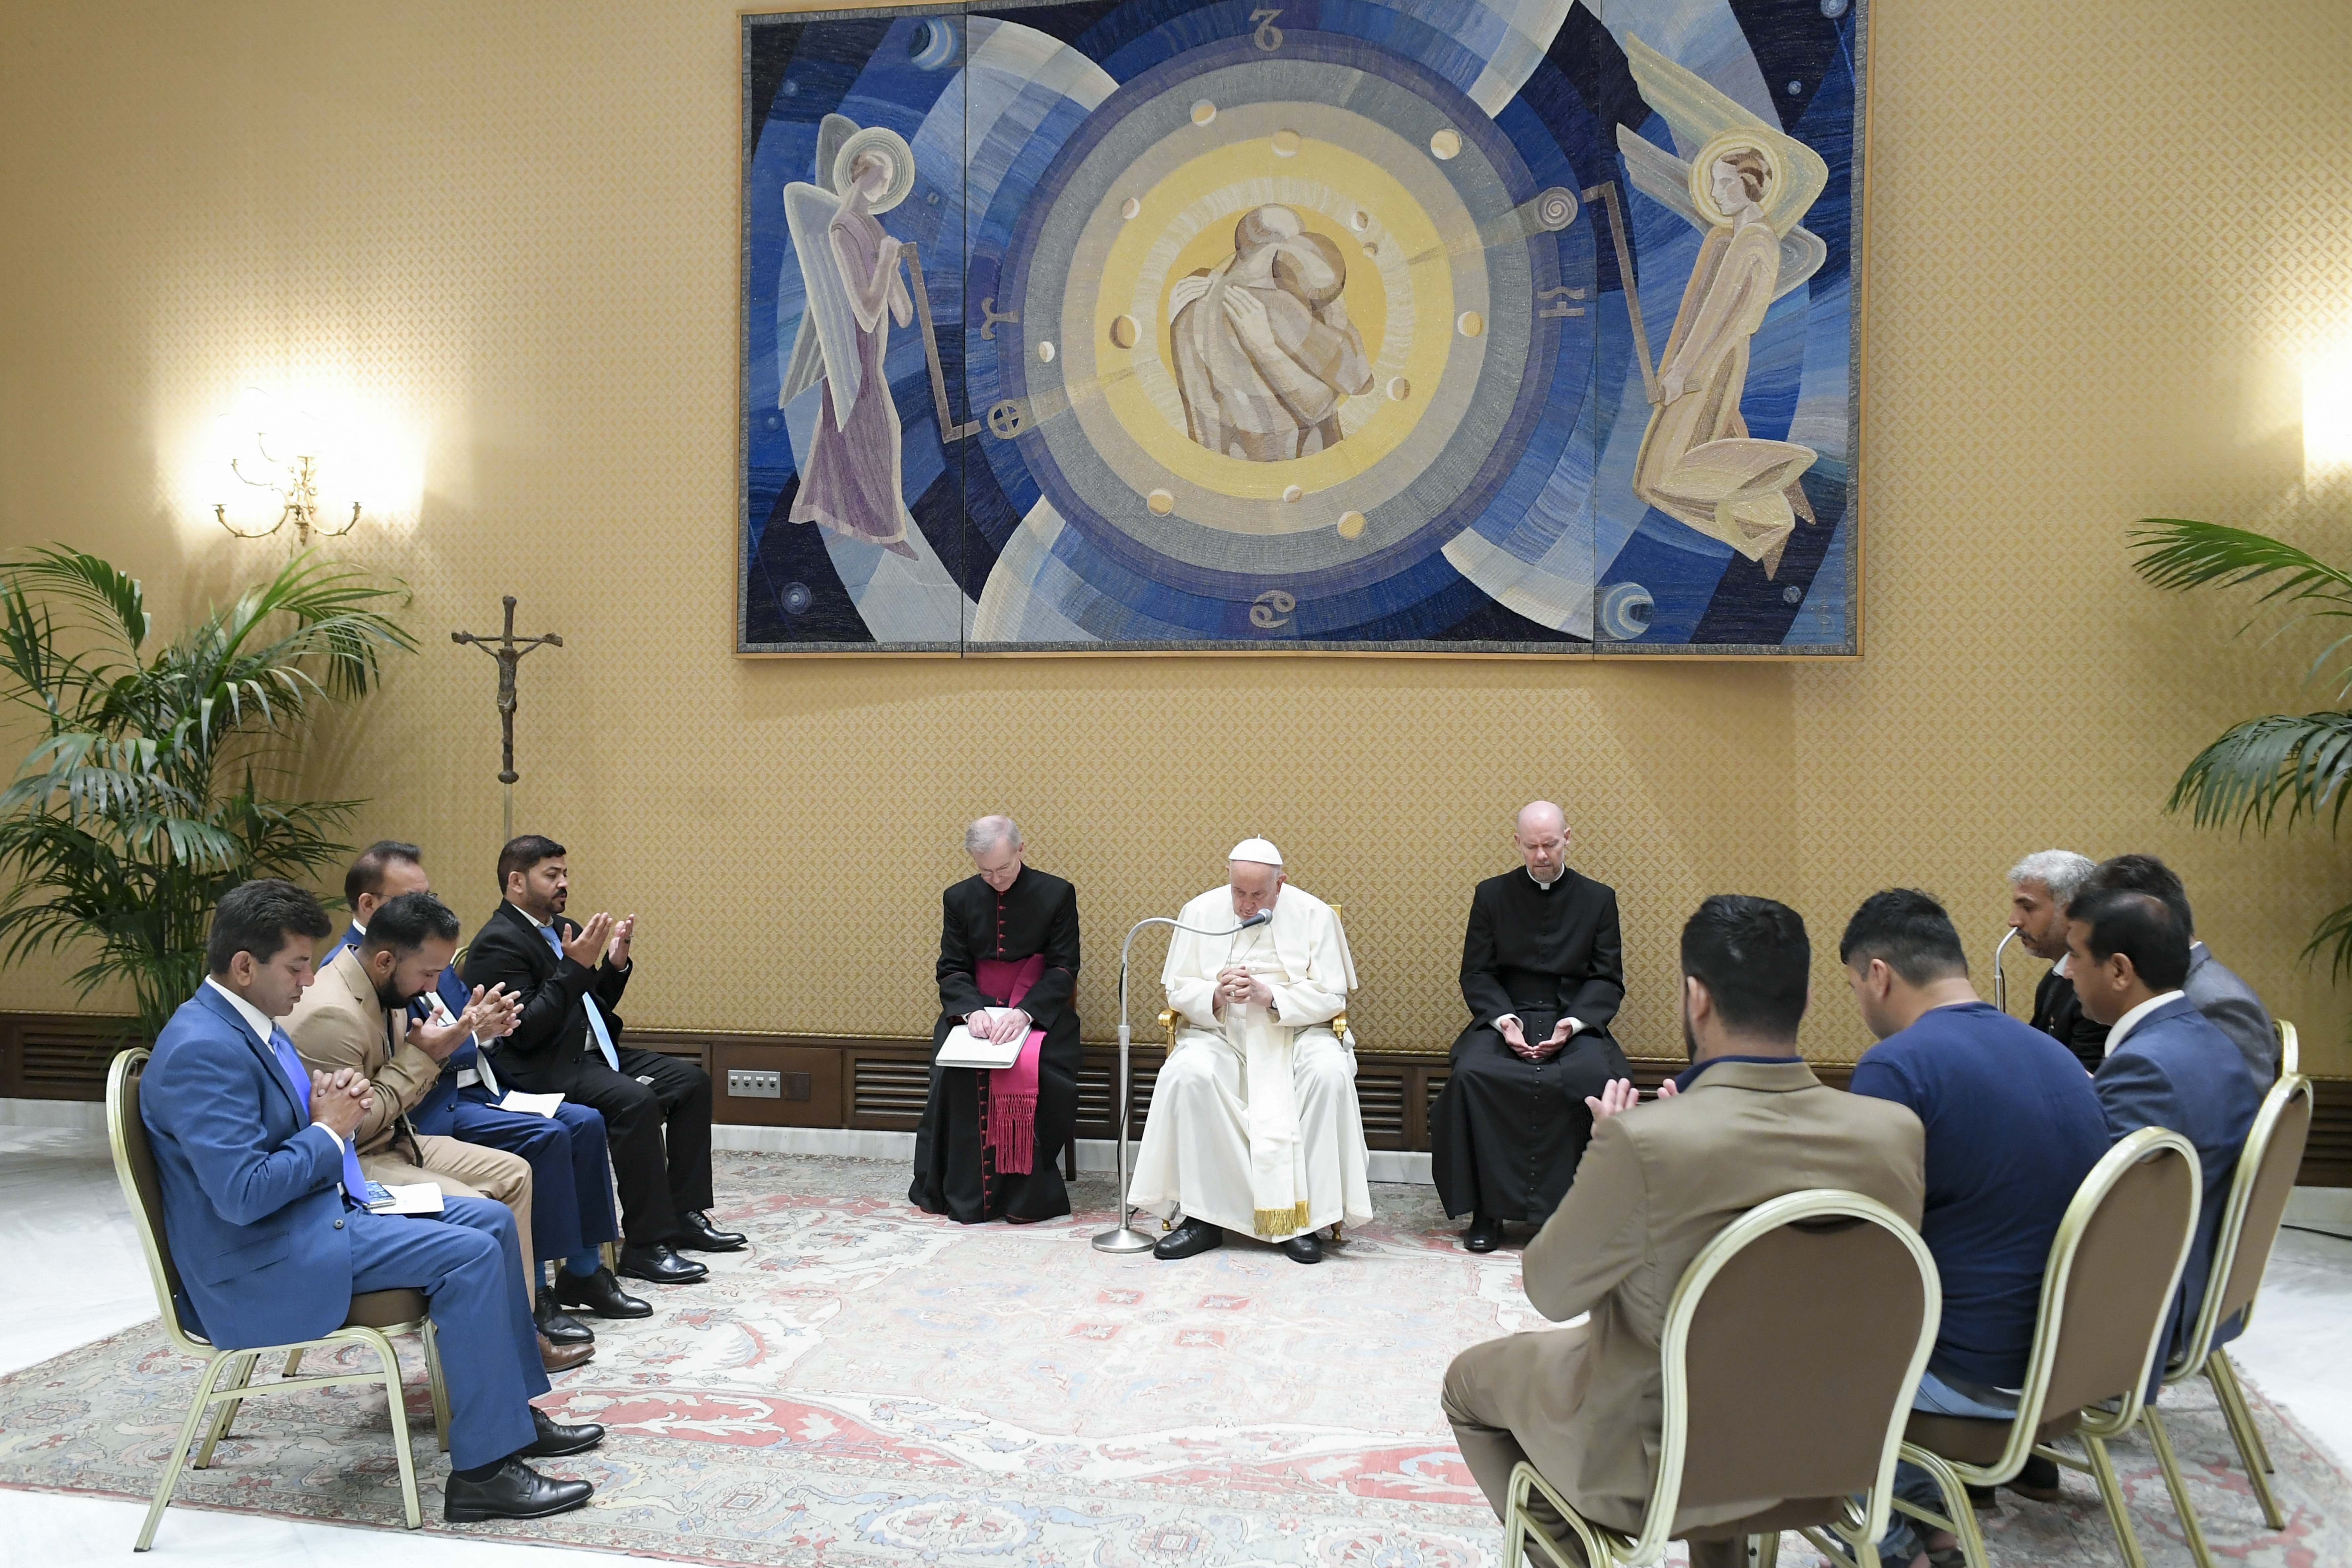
(2229, 1002)
(1749, 1122)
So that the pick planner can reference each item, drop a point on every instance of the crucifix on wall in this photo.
(508, 650)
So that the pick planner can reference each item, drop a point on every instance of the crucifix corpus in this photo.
(508, 650)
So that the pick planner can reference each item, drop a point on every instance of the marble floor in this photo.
(78, 1276)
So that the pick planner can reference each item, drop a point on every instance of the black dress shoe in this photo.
(1190, 1239)
(516, 1491)
(1305, 1247)
(555, 1439)
(556, 1324)
(2038, 1482)
(1485, 1235)
(655, 1262)
(694, 1230)
(599, 1293)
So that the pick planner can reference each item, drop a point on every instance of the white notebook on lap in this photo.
(962, 1048)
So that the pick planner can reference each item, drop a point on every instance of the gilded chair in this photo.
(2290, 1048)
(2242, 1251)
(375, 1316)
(2106, 1295)
(1171, 1021)
(1772, 1388)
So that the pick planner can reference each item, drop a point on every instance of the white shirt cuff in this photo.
(331, 1133)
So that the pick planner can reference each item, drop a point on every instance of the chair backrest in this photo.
(2107, 1291)
(1769, 1390)
(2290, 1048)
(2250, 1224)
(134, 1167)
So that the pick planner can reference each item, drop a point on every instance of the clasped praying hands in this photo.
(589, 944)
(489, 1016)
(1238, 987)
(339, 1099)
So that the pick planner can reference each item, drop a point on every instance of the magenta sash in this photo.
(1009, 1124)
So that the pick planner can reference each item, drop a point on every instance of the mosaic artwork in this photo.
(1470, 326)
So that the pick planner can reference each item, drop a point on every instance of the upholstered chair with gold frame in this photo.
(2241, 1252)
(375, 1317)
(2106, 1295)
(1748, 1332)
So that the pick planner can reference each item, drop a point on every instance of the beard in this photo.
(392, 998)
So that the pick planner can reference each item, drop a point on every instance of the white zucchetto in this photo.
(1257, 851)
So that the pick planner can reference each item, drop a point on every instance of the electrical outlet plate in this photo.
(747, 1085)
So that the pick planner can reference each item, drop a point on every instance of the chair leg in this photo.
(397, 1410)
(293, 1361)
(437, 1384)
(225, 1411)
(196, 1410)
(2111, 1492)
(1766, 1551)
(2191, 1531)
(1957, 1507)
(2252, 1452)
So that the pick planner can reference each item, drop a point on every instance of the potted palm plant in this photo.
(2300, 763)
(152, 788)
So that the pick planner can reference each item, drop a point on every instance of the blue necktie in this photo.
(595, 1013)
(354, 1183)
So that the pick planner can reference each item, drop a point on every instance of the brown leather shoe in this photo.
(557, 1358)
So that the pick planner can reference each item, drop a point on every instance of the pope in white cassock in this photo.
(1254, 1124)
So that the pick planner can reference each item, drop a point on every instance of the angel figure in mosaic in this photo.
(1745, 190)
(851, 266)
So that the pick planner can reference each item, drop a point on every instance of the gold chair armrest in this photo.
(1168, 1022)
(1339, 1026)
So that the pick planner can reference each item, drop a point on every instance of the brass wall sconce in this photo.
(294, 480)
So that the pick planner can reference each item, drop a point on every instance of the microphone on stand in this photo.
(1258, 919)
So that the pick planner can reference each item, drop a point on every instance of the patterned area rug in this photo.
(871, 1385)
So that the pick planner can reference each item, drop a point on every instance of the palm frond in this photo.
(113, 600)
(2303, 762)
(2181, 553)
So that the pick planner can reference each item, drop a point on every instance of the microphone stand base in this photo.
(1125, 1239)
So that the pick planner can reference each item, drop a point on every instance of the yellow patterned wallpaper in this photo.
(504, 236)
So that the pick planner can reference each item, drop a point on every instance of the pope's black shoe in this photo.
(556, 1324)
(694, 1230)
(514, 1491)
(599, 1293)
(1305, 1247)
(655, 1262)
(1189, 1239)
(1485, 1235)
(555, 1439)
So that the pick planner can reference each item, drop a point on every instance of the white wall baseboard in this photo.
(89, 1115)
(1095, 1154)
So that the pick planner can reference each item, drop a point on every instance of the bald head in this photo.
(1542, 834)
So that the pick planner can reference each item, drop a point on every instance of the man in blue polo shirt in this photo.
(2013, 1126)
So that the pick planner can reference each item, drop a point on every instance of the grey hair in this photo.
(990, 831)
(2061, 871)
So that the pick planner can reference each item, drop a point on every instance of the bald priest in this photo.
(1253, 1123)
(1543, 973)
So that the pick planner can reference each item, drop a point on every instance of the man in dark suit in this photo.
(2167, 1065)
(2041, 886)
(567, 979)
(1543, 974)
(2227, 1001)
(571, 1174)
(265, 1205)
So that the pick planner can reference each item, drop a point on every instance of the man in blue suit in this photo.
(571, 1172)
(2167, 1065)
(265, 1208)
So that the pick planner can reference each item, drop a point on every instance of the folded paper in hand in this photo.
(531, 1104)
(962, 1048)
(415, 1198)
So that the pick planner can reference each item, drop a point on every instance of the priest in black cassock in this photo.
(988, 1143)
(1543, 974)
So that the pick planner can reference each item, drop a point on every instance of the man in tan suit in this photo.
(355, 1015)
(1747, 1123)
